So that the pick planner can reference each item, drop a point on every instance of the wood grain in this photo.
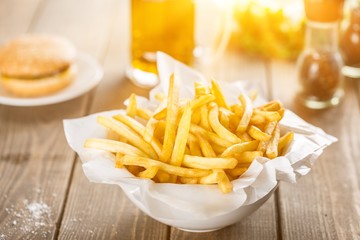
(35, 161)
(99, 211)
(324, 204)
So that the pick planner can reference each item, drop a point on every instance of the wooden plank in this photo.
(324, 204)
(16, 17)
(98, 211)
(35, 161)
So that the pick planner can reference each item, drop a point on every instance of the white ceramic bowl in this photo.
(208, 224)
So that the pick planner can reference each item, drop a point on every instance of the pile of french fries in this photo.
(203, 140)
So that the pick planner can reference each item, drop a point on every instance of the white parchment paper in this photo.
(182, 202)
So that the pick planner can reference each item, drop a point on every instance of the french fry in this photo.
(194, 146)
(272, 147)
(131, 108)
(270, 127)
(143, 113)
(181, 139)
(285, 141)
(113, 146)
(188, 180)
(149, 172)
(257, 134)
(236, 172)
(204, 118)
(201, 89)
(118, 157)
(215, 177)
(216, 91)
(246, 116)
(195, 129)
(174, 170)
(219, 129)
(160, 97)
(205, 147)
(224, 118)
(239, 148)
(248, 156)
(269, 115)
(209, 163)
(126, 132)
(271, 106)
(225, 185)
(196, 117)
(171, 120)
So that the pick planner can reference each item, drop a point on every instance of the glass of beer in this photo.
(159, 25)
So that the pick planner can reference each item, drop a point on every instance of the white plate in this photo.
(88, 76)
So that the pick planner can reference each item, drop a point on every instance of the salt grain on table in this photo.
(27, 219)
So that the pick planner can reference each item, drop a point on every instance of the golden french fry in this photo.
(118, 157)
(225, 185)
(209, 163)
(201, 101)
(270, 127)
(196, 117)
(163, 177)
(246, 116)
(131, 123)
(171, 121)
(269, 115)
(216, 91)
(272, 147)
(239, 148)
(257, 134)
(113, 146)
(248, 156)
(285, 141)
(218, 149)
(134, 169)
(161, 111)
(174, 170)
(181, 137)
(212, 137)
(188, 180)
(224, 118)
(113, 136)
(128, 133)
(201, 89)
(236, 172)
(219, 129)
(149, 172)
(205, 147)
(143, 113)
(271, 106)
(160, 97)
(204, 118)
(215, 177)
(194, 146)
(131, 108)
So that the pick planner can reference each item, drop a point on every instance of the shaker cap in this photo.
(323, 10)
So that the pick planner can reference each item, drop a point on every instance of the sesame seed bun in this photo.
(36, 65)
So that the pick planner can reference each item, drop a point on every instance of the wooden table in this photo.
(40, 176)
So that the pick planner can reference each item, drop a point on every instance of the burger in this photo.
(36, 65)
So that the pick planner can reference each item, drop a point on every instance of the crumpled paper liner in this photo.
(181, 202)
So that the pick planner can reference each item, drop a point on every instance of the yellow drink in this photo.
(161, 25)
